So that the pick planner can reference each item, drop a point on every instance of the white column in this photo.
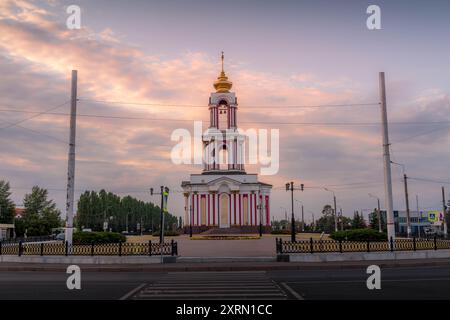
(232, 209)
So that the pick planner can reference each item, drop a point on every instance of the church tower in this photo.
(222, 143)
(224, 195)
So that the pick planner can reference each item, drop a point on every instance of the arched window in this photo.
(223, 114)
(223, 157)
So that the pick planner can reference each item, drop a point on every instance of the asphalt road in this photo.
(396, 283)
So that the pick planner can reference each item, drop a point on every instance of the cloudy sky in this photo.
(161, 58)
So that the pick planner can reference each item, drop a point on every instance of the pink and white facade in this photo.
(224, 195)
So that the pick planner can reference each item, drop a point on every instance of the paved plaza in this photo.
(261, 247)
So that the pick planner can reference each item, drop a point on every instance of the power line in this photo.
(35, 115)
(257, 122)
(244, 107)
(420, 134)
(36, 132)
(429, 180)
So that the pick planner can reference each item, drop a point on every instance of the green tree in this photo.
(40, 215)
(358, 221)
(326, 222)
(7, 207)
(94, 208)
(373, 221)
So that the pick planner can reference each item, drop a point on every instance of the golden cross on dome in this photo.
(222, 61)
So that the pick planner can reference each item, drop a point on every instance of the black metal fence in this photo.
(318, 246)
(60, 248)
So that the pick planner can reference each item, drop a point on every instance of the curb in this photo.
(202, 267)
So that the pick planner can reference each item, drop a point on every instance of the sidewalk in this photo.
(231, 266)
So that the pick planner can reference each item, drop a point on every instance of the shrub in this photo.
(167, 233)
(285, 231)
(359, 235)
(98, 237)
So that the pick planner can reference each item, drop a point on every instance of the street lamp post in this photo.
(303, 216)
(405, 181)
(260, 208)
(190, 221)
(164, 195)
(290, 187)
(378, 212)
(335, 211)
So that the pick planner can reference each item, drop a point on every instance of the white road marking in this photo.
(132, 292)
(292, 291)
(362, 280)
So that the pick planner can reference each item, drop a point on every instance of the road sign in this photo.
(433, 216)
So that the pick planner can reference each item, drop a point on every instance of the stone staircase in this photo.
(231, 231)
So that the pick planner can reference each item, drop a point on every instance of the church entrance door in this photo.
(224, 211)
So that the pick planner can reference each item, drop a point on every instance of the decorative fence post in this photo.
(20, 248)
(120, 249)
(435, 243)
(392, 244)
(176, 248)
(0, 248)
(66, 248)
(149, 247)
(172, 245)
(92, 249)
(340, 245)
(311, 245)
(414, 243)
(42, 249)
(368, 245)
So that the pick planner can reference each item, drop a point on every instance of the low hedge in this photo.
(359, 235)
(284, 231)
(98, 237)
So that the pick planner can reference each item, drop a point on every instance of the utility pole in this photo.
(303, 220)
(335, 210)
(386, 160)
(444, 206)
(161, 232)
(419, 215)
(380, 229)
(71, 162)
(408, 220)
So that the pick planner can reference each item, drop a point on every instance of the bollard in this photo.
(120, 249)
(340, 245)
(311, 245)
(414, 243)
(368, 245)
(392, 244)
(435, 243)
(149, 247)
(42, 249)
(172, 247)
(20, 248)
(66, 248)
(92, 249)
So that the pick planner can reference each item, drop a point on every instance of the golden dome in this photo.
(222, 84)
